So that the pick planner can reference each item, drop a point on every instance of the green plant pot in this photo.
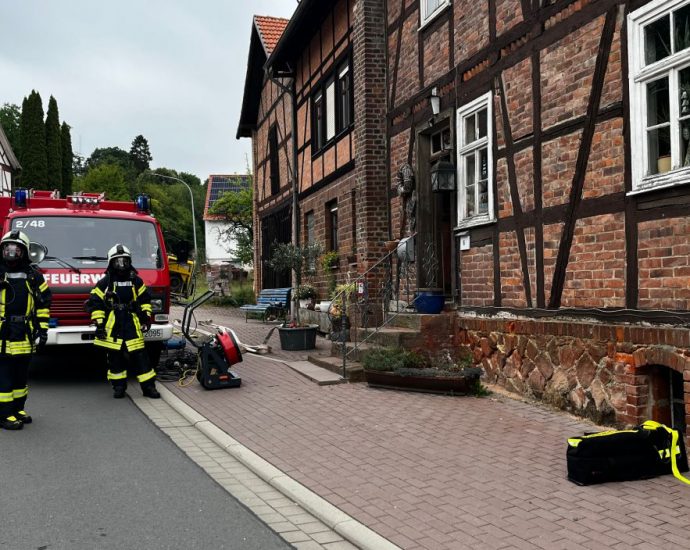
(298, 338)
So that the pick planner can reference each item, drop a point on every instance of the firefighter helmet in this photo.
(15, 246)
(119, 257)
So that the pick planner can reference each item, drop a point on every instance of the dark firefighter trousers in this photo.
(14, 376)
(138, 361)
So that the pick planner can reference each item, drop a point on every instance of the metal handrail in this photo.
(387, 316)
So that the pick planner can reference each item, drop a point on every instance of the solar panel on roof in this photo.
(222, 184)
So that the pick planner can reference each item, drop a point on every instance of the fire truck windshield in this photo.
(85, 241)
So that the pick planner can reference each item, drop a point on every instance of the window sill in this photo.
(474, 222)
(656, 182)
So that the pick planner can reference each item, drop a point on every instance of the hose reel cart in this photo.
(217, 351)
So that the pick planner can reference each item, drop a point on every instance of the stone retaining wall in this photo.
(613, 374)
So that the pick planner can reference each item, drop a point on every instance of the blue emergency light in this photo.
(143, 203)
(20, 198)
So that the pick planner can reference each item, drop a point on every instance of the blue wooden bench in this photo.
(269, 301)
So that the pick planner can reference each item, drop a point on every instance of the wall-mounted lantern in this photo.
(435, 100)
(443, 177)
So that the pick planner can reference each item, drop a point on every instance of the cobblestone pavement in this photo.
(429, 471)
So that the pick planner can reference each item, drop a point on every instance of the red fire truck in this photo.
(75, 233)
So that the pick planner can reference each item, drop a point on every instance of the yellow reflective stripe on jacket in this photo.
(97, 314)
(117, 375)
(43, 286)
(98, 292)
(139, 291)
(146, 376)
(147, 308)
(18, 394)
(6, 397)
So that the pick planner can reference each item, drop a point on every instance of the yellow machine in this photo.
(182, 277)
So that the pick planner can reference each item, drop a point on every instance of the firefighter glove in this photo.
(42, 337)
(100, 331)
(145, 322)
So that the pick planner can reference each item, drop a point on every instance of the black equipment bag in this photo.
(645, 451)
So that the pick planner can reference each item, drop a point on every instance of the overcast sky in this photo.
(171, 70)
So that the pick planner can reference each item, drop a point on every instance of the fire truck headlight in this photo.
(157, 305)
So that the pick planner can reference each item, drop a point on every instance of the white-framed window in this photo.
(475, 162)
(659, 82)
(428, 9)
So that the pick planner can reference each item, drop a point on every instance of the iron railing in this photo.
(373, 310)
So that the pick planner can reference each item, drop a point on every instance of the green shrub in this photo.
(392, 359)
(240, 294)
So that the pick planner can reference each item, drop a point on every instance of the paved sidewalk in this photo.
(428, 471)
(224, 460)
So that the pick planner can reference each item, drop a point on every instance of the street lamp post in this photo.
(191, 196)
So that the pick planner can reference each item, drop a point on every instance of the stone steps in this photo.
(405, 331)
(353, 369)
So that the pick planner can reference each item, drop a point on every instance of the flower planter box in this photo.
(298, 338)
(461, 384)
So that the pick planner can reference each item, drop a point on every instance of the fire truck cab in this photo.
(76, 233)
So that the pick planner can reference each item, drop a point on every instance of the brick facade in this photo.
(567, 233)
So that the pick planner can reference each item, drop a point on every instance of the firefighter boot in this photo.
(119, 391)
(11, 423)
(23, 417)
(149, 390)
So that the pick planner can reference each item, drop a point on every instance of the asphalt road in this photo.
(92, 472)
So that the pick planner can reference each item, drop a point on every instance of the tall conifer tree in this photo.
(34, 159)
(140, 154)
(67, 159)
(53, 146)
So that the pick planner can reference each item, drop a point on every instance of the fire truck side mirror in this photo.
(37, 252)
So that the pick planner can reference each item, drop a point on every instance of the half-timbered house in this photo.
(564, 246)
(9, 165)
(314, 106)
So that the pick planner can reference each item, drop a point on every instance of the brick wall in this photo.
(371, 177)
(614, 374)
(664, 270)
(340, 191)
(477, 268)
(596, 269)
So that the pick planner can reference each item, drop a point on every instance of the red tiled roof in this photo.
(270, 30)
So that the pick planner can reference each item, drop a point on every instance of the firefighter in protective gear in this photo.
(120, 306)
(24, 314)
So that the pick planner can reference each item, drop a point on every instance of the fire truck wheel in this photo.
(154, 349)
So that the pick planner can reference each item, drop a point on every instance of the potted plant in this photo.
(401, 369)
(329, 262)
(340, 321)
(294, 259)
(306, 294)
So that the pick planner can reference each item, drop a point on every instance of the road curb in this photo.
(350, 529)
